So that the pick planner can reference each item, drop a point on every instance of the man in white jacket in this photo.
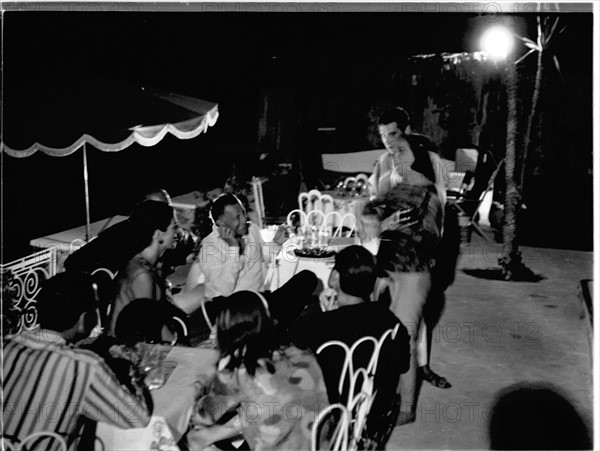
(233, 257)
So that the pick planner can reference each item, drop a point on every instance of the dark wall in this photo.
(310, 70)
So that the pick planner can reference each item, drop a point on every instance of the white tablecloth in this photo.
(72, 239)
(69, 241)
(173, 404)
(288, 264)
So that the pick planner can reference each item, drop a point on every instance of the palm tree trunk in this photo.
(512, 194)
(511, 262)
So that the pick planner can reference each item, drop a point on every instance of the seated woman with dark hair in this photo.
(151, 232)
(276, 393)
(151, 322)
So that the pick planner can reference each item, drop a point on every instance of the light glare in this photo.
(497, 42)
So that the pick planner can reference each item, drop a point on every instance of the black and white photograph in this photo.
(299, 225)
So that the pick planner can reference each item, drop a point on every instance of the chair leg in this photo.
(479, 231)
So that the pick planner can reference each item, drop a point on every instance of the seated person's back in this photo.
(144, 320)
(353, 278)
(42, 369)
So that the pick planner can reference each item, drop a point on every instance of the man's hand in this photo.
(227, 235)
(328, 299)
(281, 235)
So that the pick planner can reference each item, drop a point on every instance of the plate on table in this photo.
(314, 253)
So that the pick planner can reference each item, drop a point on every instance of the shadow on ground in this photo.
(497, 274)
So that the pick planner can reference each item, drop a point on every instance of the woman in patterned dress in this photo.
(270, 395)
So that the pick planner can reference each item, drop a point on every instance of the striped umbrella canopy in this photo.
(59, 116)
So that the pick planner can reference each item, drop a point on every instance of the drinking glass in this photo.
(154, 365)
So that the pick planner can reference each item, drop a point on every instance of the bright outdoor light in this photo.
(497, 42)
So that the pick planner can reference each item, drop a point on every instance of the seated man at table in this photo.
(50, 386)
(353, 279)
(233, 258)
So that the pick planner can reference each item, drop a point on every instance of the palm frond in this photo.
(525, 56)
(533, 46)
(528, 42)
(554, 25)
(557, 65)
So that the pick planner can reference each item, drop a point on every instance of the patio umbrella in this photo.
(59, 116)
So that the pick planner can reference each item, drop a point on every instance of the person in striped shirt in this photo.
(51, 386)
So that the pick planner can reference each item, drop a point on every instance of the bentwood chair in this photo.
(334, 416)
(357, 385)
(469, 203)
(315, 200)
(297, 214)
(40, 441)
(105, 289)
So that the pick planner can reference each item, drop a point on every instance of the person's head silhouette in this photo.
(536, 416)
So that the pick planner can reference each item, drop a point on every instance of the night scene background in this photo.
(291, 86)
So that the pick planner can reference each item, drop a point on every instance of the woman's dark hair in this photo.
(245, 331)
(62, 300)
(356, 267)
(147, 217)
(142, 320)
(397, 115)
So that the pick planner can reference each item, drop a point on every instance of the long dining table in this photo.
(287, 263)
(173, 405)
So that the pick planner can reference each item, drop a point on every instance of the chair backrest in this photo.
(363, 177)
(492, 179)
(315, 200)
(21, 282)
(303, 202)
(358, 383)
(489, 188)
(334, 224)
(301, 214)
(43, 440)
(347, 218)
(338, 439)
(315, 218)
(485, 171)
(105, 289)
(355, 185)
(182, 330)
